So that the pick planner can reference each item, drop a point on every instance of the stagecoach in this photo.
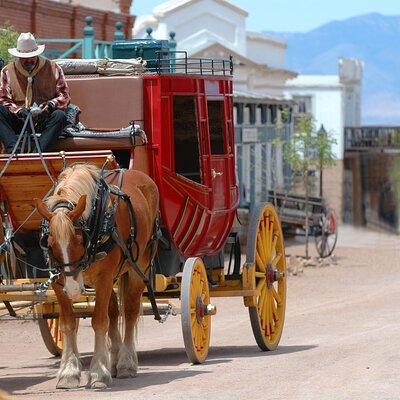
(177, 120)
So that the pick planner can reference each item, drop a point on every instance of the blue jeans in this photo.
(11, 125)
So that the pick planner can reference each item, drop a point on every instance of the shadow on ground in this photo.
(165, 357)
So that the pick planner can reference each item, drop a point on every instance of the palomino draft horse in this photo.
(68, 213)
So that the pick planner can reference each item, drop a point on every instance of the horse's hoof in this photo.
(98, 385)
(99, 381)
(114, 371)
(125, 373)
(70, 382)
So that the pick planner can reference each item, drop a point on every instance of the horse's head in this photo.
(66, 242)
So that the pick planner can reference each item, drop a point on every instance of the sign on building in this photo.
(249, 135)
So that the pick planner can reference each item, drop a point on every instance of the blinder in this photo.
(96, 231)
(44, 238)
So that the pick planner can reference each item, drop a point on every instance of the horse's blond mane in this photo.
(73, 182)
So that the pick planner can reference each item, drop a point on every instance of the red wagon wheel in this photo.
(196, 310)
(266, 251)
(326, 237)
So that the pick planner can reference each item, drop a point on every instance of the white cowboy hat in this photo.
(27, 46)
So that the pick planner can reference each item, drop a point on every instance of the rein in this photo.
(101, 224)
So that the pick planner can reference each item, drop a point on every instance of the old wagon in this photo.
(185, 108)
(322, 219)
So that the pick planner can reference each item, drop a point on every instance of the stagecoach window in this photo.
(216, 126)
(186, 139)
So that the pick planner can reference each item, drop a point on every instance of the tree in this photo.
(307, 150)
(8, 39)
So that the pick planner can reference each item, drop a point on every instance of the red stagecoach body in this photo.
(198, 205)
(188, 120)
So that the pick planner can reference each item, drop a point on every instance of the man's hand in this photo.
(23, 113)
(48, 107)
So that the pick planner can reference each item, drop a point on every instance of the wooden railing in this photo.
(371, 137)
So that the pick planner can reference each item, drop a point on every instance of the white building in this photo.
(332, 100)
(217, 28)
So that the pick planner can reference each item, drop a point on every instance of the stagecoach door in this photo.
(220, 149)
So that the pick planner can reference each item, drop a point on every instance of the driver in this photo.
(28, 80)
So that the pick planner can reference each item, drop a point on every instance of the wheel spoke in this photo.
(276, 296)
(276, 259)
(274, 310)
(267, 317)
(260, 263)
(261, 285)
(261, 301)
(271, 317)
(273, 246)
(260, 274)
(261, 250)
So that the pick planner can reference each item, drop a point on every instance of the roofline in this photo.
(185, 3)
(278, 42)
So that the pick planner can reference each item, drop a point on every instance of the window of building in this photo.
(303, 104)
(216, 126)
(186, 138)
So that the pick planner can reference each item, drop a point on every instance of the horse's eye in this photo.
(79, 238)
(50, 241)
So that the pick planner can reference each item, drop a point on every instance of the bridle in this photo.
(98, 231)
(54, 264)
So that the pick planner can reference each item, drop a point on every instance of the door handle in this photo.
(215, 173)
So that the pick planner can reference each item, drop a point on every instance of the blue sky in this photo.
(295, 15)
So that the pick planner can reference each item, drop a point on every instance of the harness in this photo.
(101, 235)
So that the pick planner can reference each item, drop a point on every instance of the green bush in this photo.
(8, 39)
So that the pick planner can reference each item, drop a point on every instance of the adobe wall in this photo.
(50, 19)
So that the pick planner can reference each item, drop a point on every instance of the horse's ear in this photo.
(78, 210)
(43, 209)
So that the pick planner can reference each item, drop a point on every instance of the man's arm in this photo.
(62, 98)
(5, 92)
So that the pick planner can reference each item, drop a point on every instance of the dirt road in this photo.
(341, 341)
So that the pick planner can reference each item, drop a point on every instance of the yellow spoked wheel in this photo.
(52, 336)
(266, 251)
(196, 310)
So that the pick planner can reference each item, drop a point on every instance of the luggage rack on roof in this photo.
(178, 62)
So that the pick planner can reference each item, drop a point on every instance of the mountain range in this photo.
(375, 39)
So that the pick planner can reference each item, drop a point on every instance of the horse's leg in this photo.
(70, 367)
(100, 376)
(113, 332)
(132, 291)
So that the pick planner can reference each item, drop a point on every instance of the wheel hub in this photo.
(273, 275)
(204, 309)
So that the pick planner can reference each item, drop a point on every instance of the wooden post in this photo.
(33, 16)
(119, 33)
(88, 39)
(172, 49)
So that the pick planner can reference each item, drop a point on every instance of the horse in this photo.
(66, 212)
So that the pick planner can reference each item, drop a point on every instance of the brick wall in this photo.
(50, 19)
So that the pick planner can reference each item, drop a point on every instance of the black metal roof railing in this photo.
(178, 62)
(371, 137)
